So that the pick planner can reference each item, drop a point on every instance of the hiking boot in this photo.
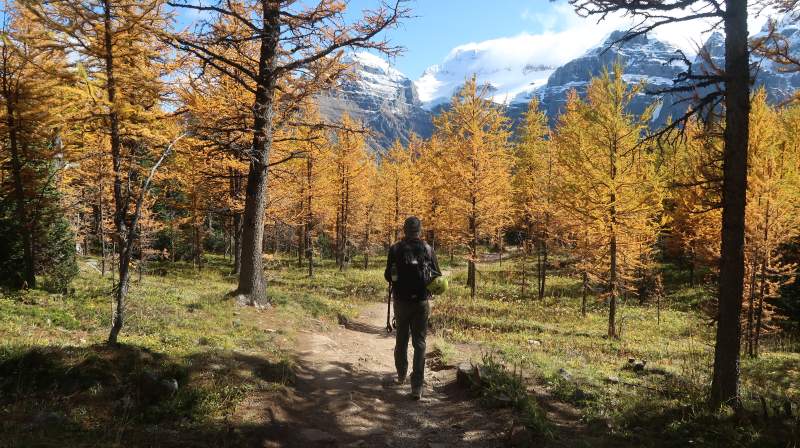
(400, 380)
(416, 392)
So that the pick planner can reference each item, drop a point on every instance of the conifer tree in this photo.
(535, 175)
(773, 218)
(115, 40)
(348, 170)
(401, 188)
(693, 171)
(608, 182)
(475, 163)
(260, 44)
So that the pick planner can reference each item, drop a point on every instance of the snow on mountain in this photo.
(780, 82)
(507, 73)
(644, 59)
(381, 97)
(393, 106)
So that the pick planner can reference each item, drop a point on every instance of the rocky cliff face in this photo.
(384, 99)
(643, 59)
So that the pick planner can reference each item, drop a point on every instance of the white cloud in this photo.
(509, 63)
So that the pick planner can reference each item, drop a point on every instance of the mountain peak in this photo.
(619, 37)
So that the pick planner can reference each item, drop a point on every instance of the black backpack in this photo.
(413, 261)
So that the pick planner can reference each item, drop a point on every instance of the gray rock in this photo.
(565, 374)
(385, 100)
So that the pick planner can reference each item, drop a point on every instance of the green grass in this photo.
(663, 406)
(184, 325)
(56, 372)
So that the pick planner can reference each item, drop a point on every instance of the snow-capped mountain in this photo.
(380, 96)
(506, 79)
(643, 58)
(394, 106)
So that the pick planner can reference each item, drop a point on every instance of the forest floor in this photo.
(316, 369)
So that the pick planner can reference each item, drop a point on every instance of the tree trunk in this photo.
(612, 277)
(725, 379)
(120, 203)
(524, 273)
(760, 309)
(473, 251)
(25, 227)
(309, 247)
(251, 277)
(612, 300)
(237, 243)
(543, 272)
(585, 291)
(750, 309)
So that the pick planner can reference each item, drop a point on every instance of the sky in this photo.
(547, 30)
(539, 30)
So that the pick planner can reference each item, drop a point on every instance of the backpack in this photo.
(413, 260)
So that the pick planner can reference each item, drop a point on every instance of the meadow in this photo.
(62, 386)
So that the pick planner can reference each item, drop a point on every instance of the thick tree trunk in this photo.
(252, 285)
(725, 379)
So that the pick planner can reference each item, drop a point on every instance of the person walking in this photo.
(410, 267)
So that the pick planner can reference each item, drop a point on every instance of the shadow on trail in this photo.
(368, 329)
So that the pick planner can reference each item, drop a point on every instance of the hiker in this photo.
(410, 267)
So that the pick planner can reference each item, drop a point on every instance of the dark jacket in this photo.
(400, 289)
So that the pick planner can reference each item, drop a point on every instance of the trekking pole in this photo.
(389, 310)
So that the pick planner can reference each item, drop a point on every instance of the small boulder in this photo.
(564, 374)
(534, 342)
(465, 375)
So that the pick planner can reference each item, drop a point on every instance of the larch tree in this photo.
(400, 187)
(33, 94)
(773, 187)
(349, 180)
(692, 171)
(476, 166)
(608, 182)
(535, 175)
(296, 43)
(115, 41)
(441, 227)
(729, 86)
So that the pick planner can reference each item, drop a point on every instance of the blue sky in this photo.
(441, 25)
(533, 30)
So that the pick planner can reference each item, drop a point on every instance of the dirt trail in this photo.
(344, 396)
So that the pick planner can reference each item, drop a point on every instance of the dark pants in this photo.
(412, 316)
